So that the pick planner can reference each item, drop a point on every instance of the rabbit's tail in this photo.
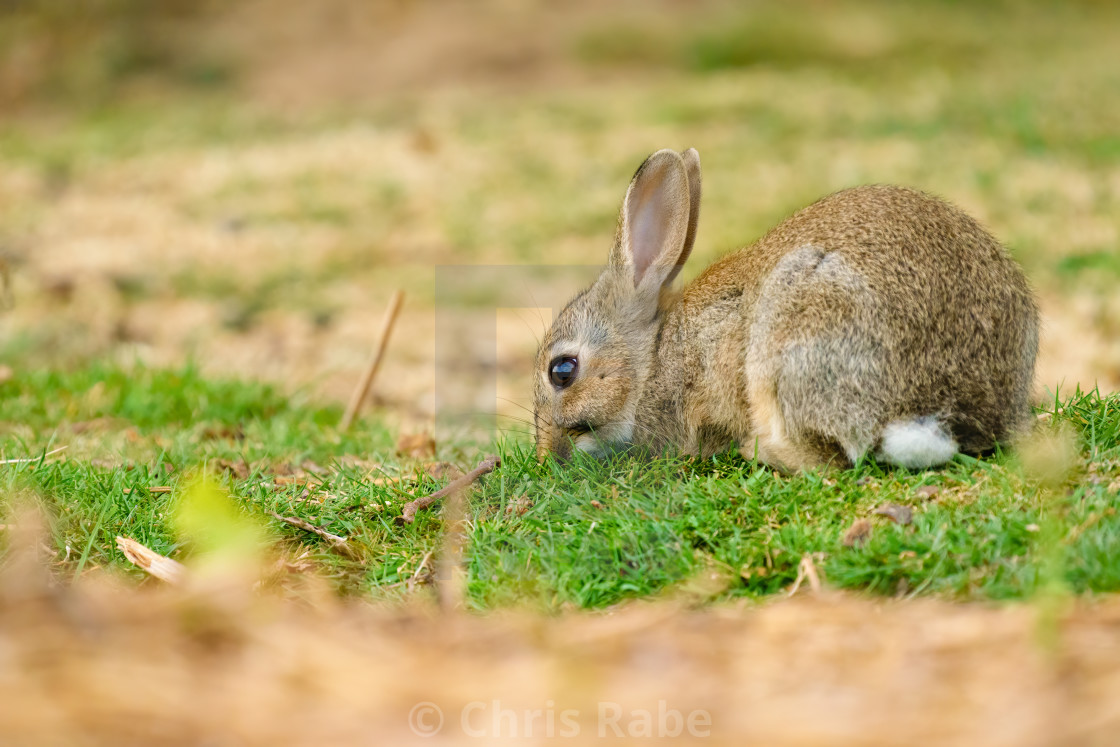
(916, 443)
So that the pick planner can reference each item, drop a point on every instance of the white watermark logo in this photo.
(425, 719)
(493, 720)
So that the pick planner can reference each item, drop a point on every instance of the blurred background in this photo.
(245, 183)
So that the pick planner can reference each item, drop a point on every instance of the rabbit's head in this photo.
(593, 363)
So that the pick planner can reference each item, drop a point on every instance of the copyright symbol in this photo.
(425, 719)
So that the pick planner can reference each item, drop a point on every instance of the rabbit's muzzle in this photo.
(560, 441)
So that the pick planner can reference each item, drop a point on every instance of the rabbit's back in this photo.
(881, 305)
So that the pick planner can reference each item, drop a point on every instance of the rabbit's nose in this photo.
(559, 449)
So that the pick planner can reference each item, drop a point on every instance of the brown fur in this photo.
(875, 304)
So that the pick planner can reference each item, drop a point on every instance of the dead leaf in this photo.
(597, 505)
(287, 564)
(896, 513)
(97, 424)
(349, 461)
(416, 445)
(239, 468)
(423, 141)
(60, 288)
(519, 505)
(927, 492)
(283, 469)
(312, 467)
(858, 533)
(231, 432)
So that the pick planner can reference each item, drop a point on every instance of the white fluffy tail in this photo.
(916, 443)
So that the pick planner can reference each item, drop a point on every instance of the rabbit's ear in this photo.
(691, 158)
(658, 222)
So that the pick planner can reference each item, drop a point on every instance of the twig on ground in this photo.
(339, 543)
(163, 568)
(366, 381)
(806, 570)
(26, 460)
(419, 569)
(408, 511)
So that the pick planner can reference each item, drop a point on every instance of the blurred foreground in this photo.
(217, 664)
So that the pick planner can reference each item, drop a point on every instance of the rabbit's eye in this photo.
(562, 371)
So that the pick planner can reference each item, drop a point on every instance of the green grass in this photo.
(587, 534)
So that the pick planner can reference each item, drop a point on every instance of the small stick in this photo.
(806, 570)
(163, 568)
(366, 382)
(33, 459)
(339, 543)
(408, 511)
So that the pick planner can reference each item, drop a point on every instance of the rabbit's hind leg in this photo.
(772, 442)
(817, 402)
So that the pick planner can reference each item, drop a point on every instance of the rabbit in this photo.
(879, 321)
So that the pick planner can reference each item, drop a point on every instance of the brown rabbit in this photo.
(878, 320)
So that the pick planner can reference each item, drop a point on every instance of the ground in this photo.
(200, 242)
